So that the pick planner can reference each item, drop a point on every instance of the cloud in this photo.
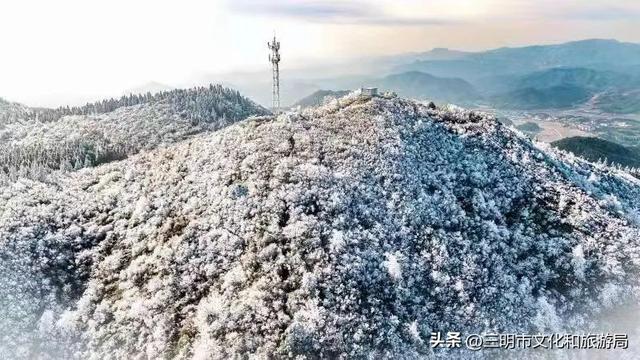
(607, 13)
(319, 10)
(593, 10)
(329, 12)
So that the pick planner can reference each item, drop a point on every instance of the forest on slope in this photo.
(289, 236)
(35, 142)
(595, 149)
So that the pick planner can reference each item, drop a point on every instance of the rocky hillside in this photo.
(349, 230)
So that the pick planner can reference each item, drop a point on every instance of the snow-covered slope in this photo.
(111, 129)
(354, 229)
(11, 112)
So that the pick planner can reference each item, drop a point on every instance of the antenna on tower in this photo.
(274, 58)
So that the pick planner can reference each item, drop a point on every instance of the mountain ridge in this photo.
(416, 84)
(594, 54)
(38, 141)
(291, 236)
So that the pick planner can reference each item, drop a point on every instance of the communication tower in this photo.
(274, 58)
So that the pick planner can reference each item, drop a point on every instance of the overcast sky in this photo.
(69, 50)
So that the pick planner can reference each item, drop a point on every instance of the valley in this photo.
(581, 121)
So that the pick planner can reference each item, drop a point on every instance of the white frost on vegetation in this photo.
(352, 230)
(393, 266)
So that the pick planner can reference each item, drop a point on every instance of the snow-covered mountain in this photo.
(350, 230)
(11, 112)
(38, 141)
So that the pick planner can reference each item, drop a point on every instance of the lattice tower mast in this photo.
(274, 58)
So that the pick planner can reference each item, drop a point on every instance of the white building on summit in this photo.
(368, 91)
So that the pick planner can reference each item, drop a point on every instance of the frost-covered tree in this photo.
(43, 140)
(351, 230)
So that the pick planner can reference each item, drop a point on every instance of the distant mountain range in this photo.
(582, 77)
(415, 84)
(533, 77)
(594, 54)
(443, 54)
(554, 97)
(412, 84)
(553, 76)
(548, 89)
(565, 87)
(435, 54)
(320, 97)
